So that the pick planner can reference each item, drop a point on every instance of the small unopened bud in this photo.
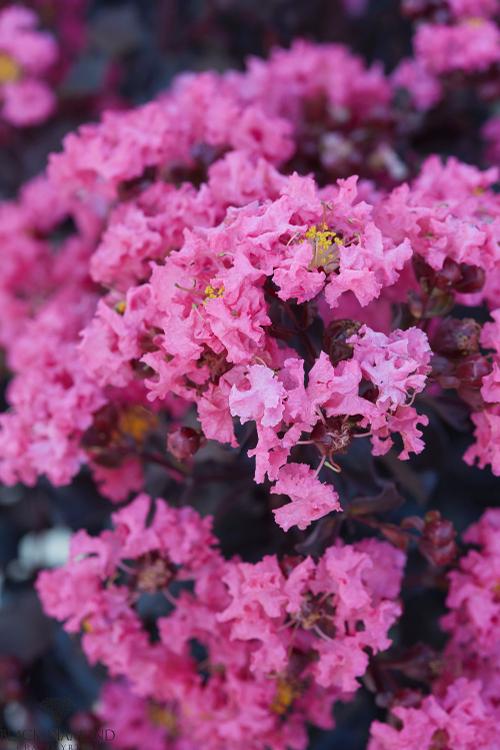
(472, 279)
(472, 370)
(440, 740)
(335, 339)
(457, 338)
(437, 543)
(184, 442)
(443, 371)
(404, 697)
(449, 275)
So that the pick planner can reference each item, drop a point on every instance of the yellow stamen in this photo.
(324, 240)
(162, 717)
(475, 21)
(136, 422)
(212, 292)
(10, 70)
(286, 692)
(120, 307)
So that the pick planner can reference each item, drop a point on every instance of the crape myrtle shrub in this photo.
(253, 313)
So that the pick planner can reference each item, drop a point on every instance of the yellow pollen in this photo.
(475, 21)
(286, 692)
(324, 241)
(86, 626)
(162, 717)
(496, 591)
(136, 422)
(10, 71)
(120, 307)
(212, 292)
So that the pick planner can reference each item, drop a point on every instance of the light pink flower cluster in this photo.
(239, 644)
(463, 710)
(462, 38)
(26, 55)
(329, 410)
(201, 250)
(242, 255)
(459, 720)
(486, 449)
(473, 622)
(472, 44)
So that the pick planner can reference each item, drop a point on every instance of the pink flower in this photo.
(460, 718)
(26, 56)
(470, 45)
(424, 87)
(262, 402)
(397, 364)
(485, 450)
(310, 498)
(28, 102)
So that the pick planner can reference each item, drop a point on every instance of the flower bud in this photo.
(443, 371)
(428, 10)
(184, 442)
(456, 338)
(472, 279)
(472, 370)
(440, 740)
(437, 543)
(335, 339)
(423, 272)
(449, 275)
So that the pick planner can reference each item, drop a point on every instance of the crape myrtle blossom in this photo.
(473, 44)
(196, 340)
(460, 719)
(454, 40)
(26, 54)
(204, 317)
(182, 132)
(200, 247)
(462, 711)
(281, 637)
(252, 271)
(329, 410)
(472, 621)
(338, 108)
(449, 214)
(486, 449)
(472, 651)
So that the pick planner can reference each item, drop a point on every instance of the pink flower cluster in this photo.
(459, 720)
(241, 644)
(463, 710)
(26, 55)
(247, 261)
(472, 621)
(453, 37)
(200, 245)
(487, 421)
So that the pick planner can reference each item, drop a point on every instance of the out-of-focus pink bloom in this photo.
(26, 55)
